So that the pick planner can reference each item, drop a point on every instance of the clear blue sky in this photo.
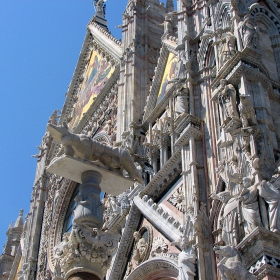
(40, 43)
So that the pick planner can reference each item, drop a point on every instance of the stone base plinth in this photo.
(72, 168)
(260, 253)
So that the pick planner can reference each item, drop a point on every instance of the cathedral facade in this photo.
(164, 161)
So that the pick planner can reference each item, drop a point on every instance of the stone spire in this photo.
(19, 221)
(169, 6)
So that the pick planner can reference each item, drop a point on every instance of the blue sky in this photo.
(40, 41)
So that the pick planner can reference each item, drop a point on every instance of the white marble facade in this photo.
(192, 97)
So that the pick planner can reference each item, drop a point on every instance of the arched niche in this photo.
(268, 25)
(155, 269)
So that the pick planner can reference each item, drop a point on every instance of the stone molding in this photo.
(159, 218)
(164, 176)
(159, 70)
(121, 257)
(155, 265)
(53, 236)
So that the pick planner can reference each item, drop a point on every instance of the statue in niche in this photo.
(247, 111)
(227, 98)
(227, 47)
(140, 248)
(271, 194)
(232, 267)
(249, 32)
(230, 219)
(181, 96)
(249, 205)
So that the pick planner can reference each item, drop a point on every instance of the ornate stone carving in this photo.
(240, 211)
(249, 32)
(177, 199)
(159, 247)
(181, 96)
(227, 100)
(247, 111)
(82, 146)
(186, 258)
(231, 267)
(140, 248)
(86, 248)
(271, 194)
(227, 47)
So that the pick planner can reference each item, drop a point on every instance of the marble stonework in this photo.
(192, 102)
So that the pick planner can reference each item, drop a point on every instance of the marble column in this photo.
(89, 210)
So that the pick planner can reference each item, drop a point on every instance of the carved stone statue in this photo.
(249, 205)
(140, 248)
(186, 259)
(227, 47)
(247, 111)
(168, 23)
(232, 268)
(53, 118)
(271, 195)
(181, 96)
(231, 219)
(248, 32)
(227, 98)
(100, 6)
(84, 147)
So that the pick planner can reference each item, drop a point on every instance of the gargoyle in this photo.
(84, 147)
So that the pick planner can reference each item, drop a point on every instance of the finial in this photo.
(19, 221)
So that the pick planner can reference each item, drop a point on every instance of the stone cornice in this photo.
(242, 63)
(77, 77)
(159, 218)
(96, 38)
(108, 42)
(164, 176)
(260, 242)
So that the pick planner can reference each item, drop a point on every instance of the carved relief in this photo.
(85, 247)
(159, 247)
(177, 199)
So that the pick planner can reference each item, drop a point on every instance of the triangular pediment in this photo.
(164, 73)
(95, 74)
